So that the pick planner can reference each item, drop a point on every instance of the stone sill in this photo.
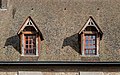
(3, 9)
(29, 55)
(89, 55)
(29, 58)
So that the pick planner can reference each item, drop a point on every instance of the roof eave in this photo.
(55, 63)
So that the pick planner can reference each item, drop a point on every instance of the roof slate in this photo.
(59, 21)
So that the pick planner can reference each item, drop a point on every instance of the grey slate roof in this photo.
(59, 21)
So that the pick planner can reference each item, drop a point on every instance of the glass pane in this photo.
(34, 51)
(30, 42)
(26, 41)
(30, 46)
(91, 41)
(26, 51)
(87, 42)
(90, 51)
(87, 46)
(86, 37)
(94, 51)
(26, 37)
(92, 47)
(30, 37)
(26, 46)
(34, 45)
(93, 36)
(34, 37)
(87, 52)
(30, 51)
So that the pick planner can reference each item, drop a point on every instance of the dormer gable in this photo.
(28, 25)
(92, 26)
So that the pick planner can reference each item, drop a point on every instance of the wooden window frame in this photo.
(83, 42)
(29, 45)
(23, 43)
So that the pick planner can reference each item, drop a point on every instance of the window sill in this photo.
(3, 9)
(89, 55)
(29, 58)
(30, 55)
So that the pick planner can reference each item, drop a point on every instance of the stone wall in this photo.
(59, 70)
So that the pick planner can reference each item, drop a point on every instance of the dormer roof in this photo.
(28, 22)
(91, 22)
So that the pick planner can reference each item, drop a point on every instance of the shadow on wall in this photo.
(13, 41)
(73, 42)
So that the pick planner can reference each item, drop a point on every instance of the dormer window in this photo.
(0, 3)
(3, 4)
(90, 36)
(30, 38)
